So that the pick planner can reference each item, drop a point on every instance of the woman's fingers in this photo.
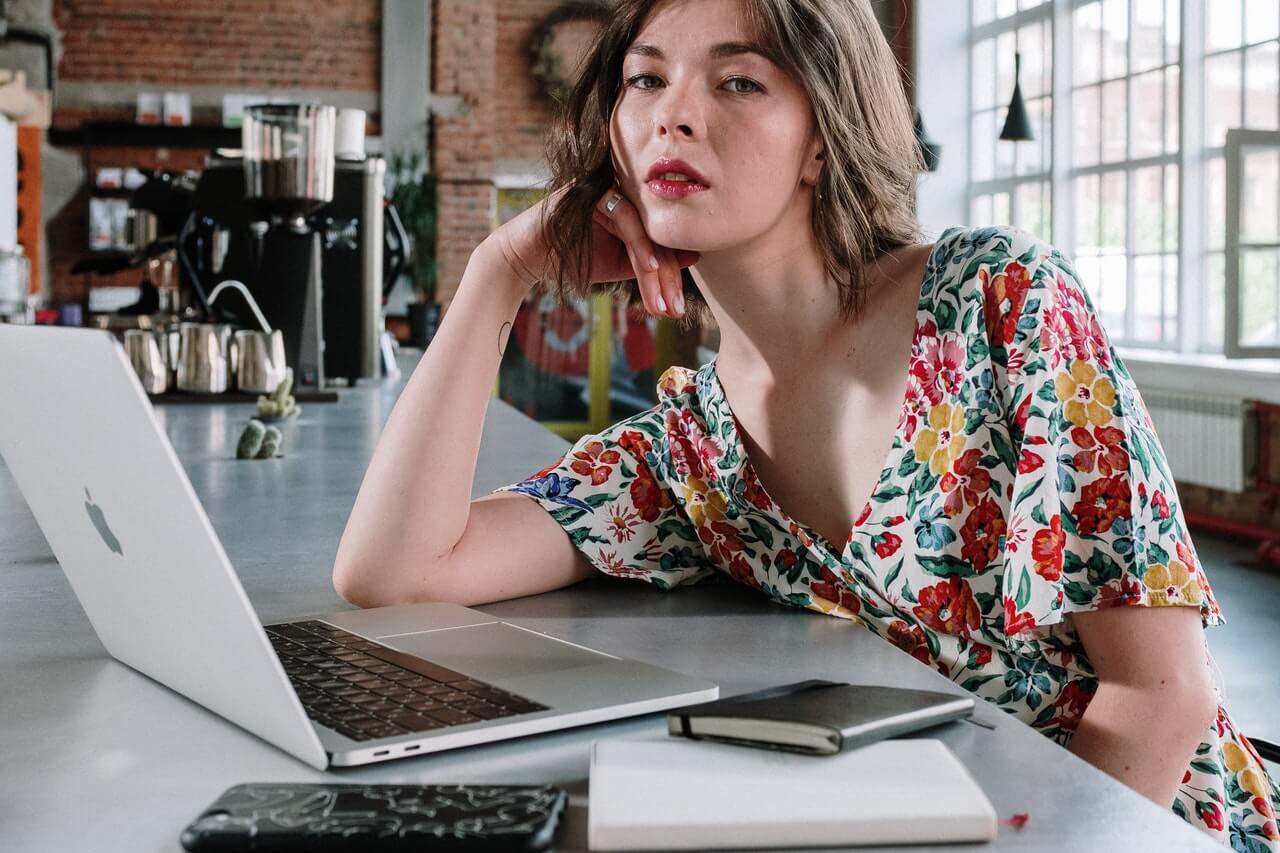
(659, 282)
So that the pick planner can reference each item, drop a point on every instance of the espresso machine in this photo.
(302, 227)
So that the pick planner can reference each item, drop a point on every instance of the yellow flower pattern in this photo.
(1171, 584)
(1088, 397)
(942, 441)
(703, 505)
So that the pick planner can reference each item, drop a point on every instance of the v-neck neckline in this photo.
(814, 537)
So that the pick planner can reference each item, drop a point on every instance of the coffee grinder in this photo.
(260, 199)
(288, 170)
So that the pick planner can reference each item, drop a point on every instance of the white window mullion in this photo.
(1192, 290)
(1061, 192)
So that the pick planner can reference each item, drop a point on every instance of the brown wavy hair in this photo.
(838, 53)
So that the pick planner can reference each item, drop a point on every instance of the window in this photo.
(1241, 74)
(1010, 182)
(1124, 164)
(1143, 115)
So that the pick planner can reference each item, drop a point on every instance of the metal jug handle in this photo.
(238, 285)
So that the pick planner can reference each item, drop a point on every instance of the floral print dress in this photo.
(1025, 482)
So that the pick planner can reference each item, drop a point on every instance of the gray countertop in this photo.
(94, 756)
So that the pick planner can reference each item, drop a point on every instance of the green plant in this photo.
(413, 192)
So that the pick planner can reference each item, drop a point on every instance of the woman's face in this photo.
(734, 117)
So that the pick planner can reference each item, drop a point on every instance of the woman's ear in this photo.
(813, 169)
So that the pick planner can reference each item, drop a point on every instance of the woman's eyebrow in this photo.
(719, 51)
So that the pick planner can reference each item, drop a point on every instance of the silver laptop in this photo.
(337, 689)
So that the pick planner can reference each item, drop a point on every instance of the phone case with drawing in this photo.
(329, 817)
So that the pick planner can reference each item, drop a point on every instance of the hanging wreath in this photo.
(551, 64)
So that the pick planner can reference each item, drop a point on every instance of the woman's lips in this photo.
(674, 190)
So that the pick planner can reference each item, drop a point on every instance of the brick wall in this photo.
(112, 48)
(464, 41)
(279, 44)
(526, 113)
(481, 52)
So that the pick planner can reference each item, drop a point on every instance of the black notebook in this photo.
(817, 717)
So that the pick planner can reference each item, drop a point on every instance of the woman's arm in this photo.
(414, 502)
(1155, 696)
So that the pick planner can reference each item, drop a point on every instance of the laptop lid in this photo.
(85, 447)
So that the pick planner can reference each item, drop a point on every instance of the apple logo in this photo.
(100, 523)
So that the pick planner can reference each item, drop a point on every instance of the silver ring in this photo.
(612, 203)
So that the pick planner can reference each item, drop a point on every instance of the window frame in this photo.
(1191, 158)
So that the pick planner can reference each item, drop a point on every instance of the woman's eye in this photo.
(751, 83)
(755, 87)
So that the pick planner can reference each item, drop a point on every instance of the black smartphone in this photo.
(322, 817)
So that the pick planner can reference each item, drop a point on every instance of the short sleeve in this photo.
(625, 521)
(1094, 516)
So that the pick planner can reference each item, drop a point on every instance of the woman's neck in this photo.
(779, 313)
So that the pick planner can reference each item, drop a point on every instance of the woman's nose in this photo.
(679, 112)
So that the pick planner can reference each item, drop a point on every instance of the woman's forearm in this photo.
(413, 504)
(1145, 736)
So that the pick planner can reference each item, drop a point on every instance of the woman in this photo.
(1022, 532)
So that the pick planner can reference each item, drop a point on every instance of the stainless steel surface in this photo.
(143, 347)
(97, 757)
(372, 322)
(203, 357)
(260, 364)
(141, 228)
(288, 151)
(15, 272)
(244, 291)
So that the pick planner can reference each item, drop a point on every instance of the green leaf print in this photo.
(1046, 392)
(1024, 590)
(893, 575)
(1102, 569)
(1234, 792)
(972, 684)
(1068, 520)
(887, 494)
(598, 499)
(1210, 767)
(1037, 515)
(907, 465)
(566, 515)
(762, 532)
(1078, 592)
(972, 419)
(677, 527)
(947, 566)
(1027, 492)
(1004, 450)
(1156, 554)
(649, 426)
(1140, 454)
(945, 312)
(978, 352)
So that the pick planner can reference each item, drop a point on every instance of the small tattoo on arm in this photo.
(502, 347)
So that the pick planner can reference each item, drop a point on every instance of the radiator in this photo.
(1208, 440)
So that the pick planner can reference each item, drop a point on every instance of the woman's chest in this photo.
(820, 462)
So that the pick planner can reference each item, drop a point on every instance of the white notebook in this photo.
(674, 794)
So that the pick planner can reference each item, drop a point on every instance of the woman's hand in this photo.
(623, 250)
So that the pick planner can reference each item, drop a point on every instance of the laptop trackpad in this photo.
(493, 650)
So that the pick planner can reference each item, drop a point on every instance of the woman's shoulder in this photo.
(1012, 276)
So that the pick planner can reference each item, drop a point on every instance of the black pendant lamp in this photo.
(1017, 127)
(929, 148)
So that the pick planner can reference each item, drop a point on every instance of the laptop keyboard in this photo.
(365, 690)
